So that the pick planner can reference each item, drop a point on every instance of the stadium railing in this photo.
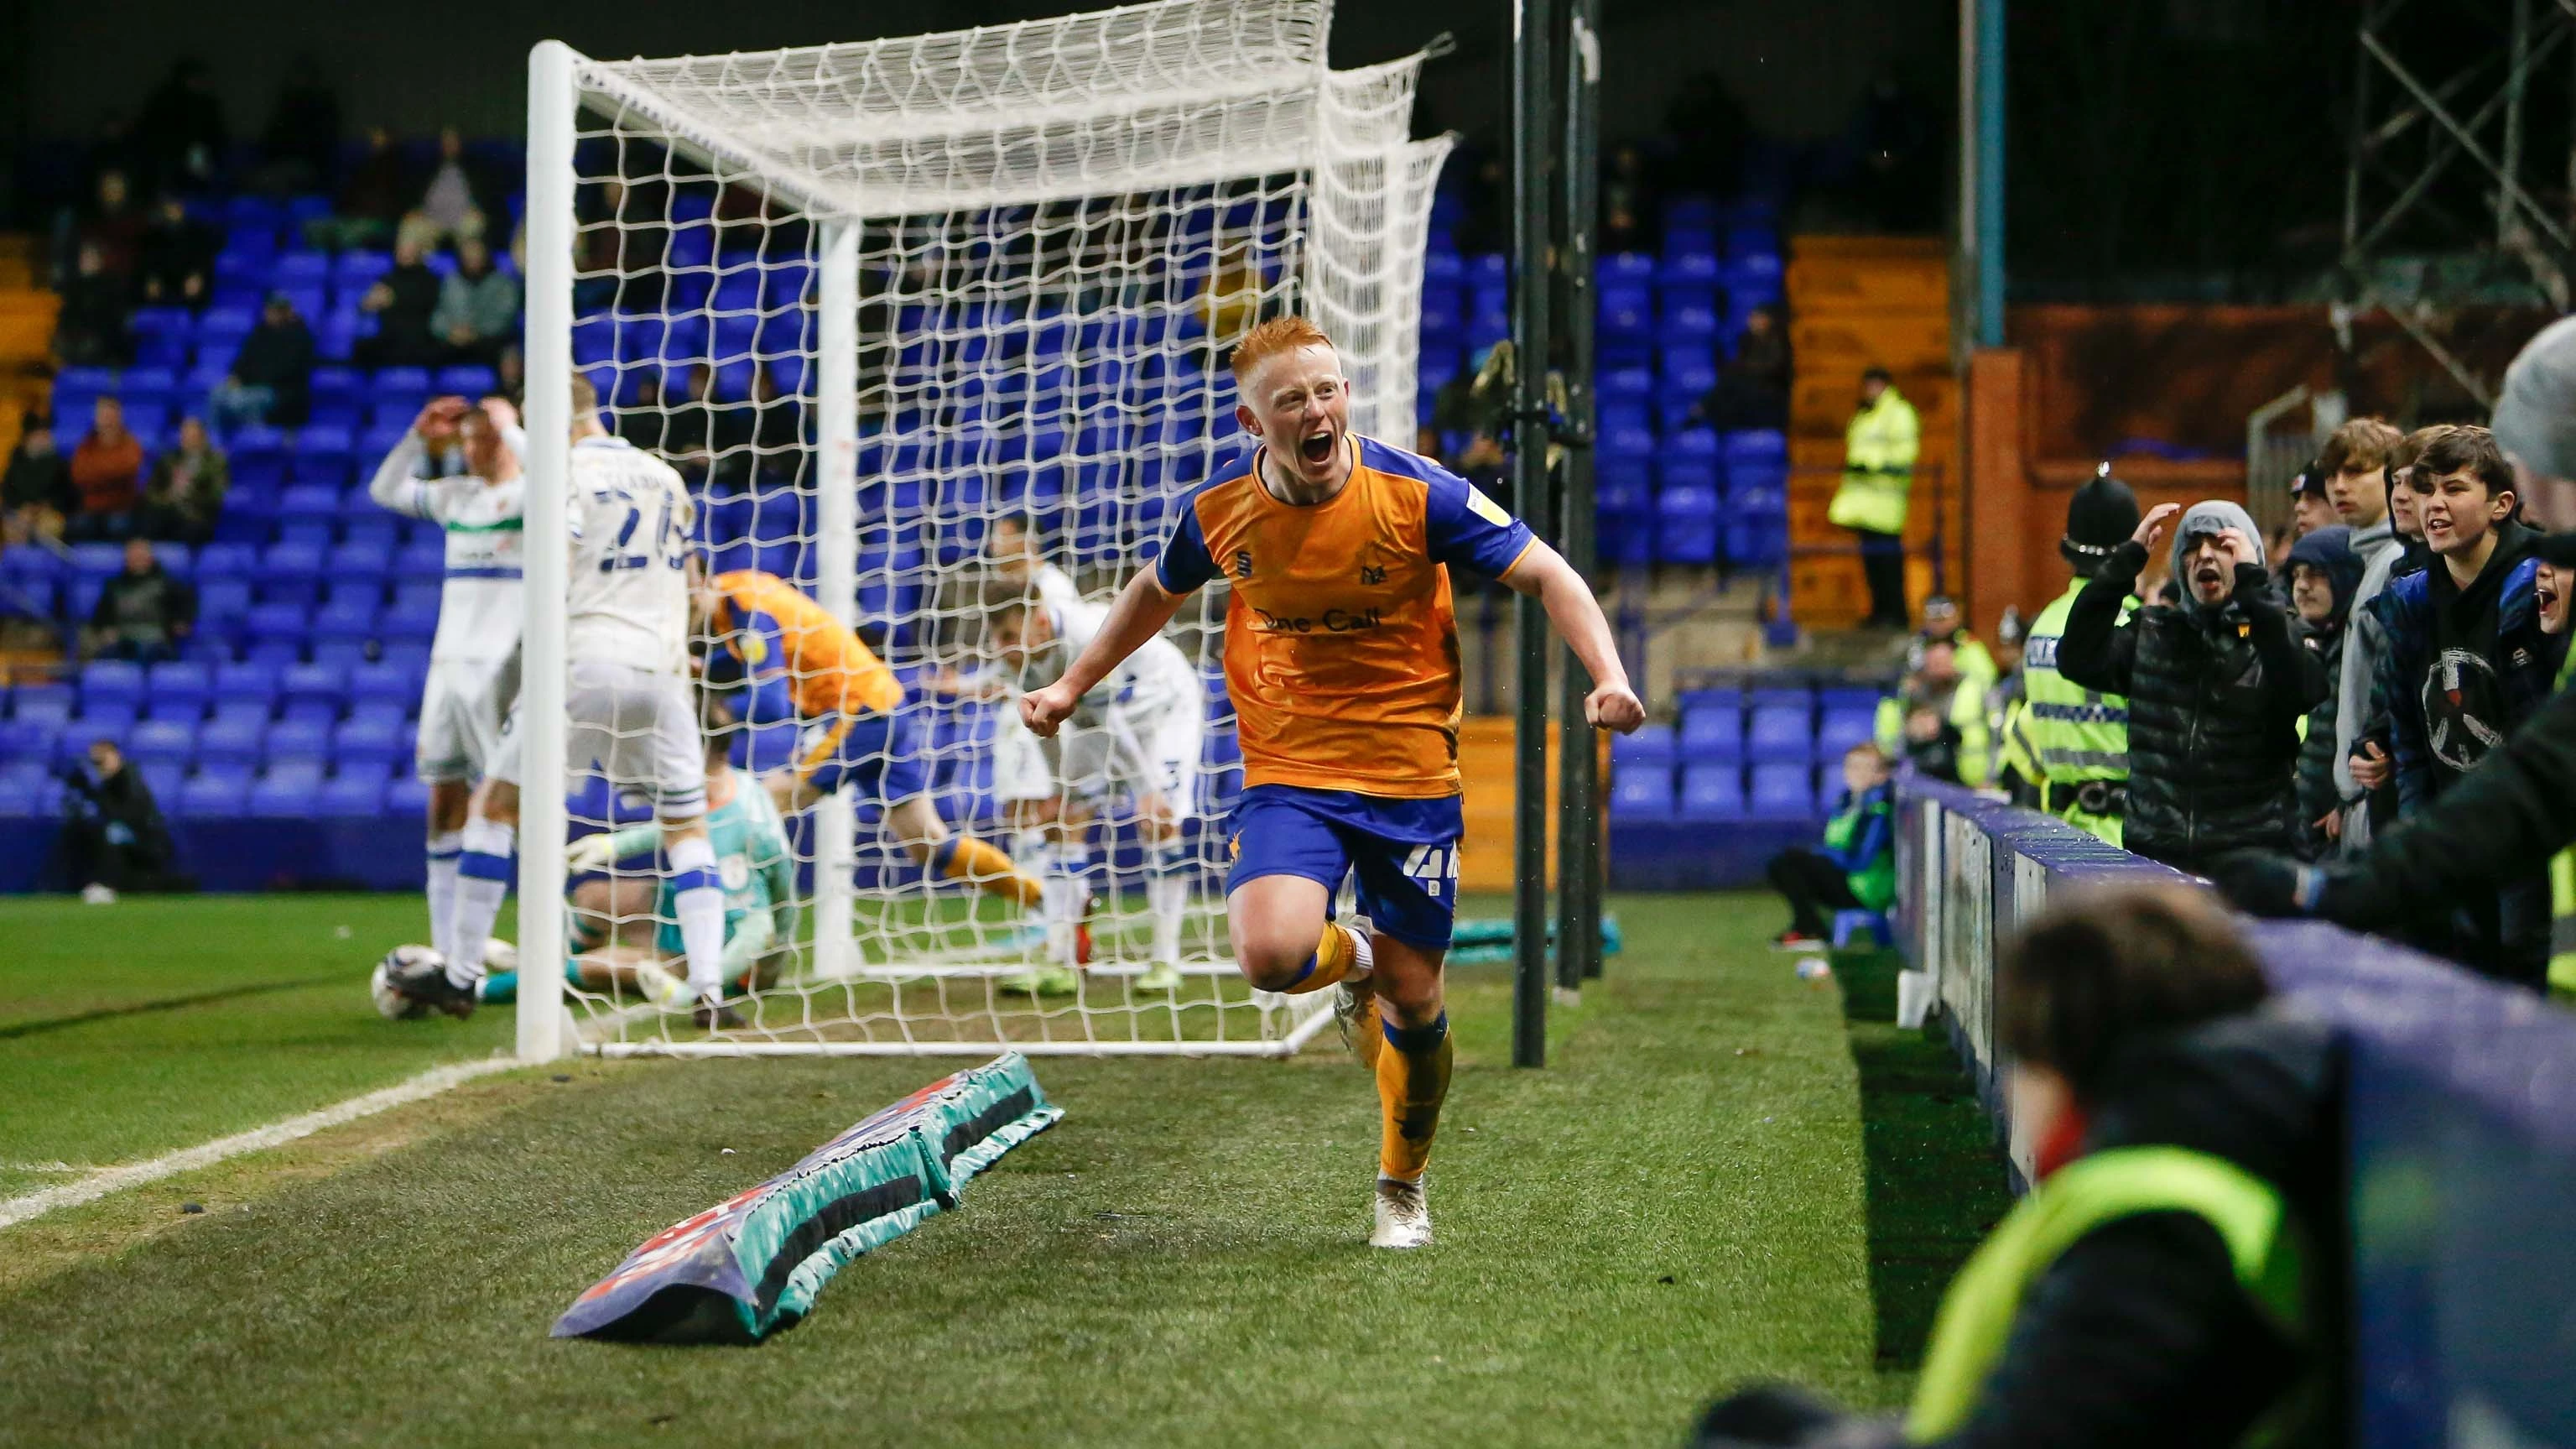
(2458, 1115)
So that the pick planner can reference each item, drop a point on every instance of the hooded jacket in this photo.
(2215, 695)
(2380, 554)
(2328, 551)
(2462, 667)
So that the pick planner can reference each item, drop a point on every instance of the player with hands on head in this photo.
(1341, 659)
(2216, 681)
(474, 658)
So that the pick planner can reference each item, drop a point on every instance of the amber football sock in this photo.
(1412, 1082)
(1337, 951)
(962, 857)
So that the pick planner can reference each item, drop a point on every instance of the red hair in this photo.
(1271, 338)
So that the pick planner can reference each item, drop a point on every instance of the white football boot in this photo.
(1403, 1215)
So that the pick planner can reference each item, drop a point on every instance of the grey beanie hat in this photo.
(2535, 415)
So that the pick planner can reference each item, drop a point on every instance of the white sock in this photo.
(1063, 893)
(444, 851)
(1167, 891)
(1034, 852)
(1363, 950)
(482, 880)
(697, 895)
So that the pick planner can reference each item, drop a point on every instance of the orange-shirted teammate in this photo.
(1341, 658)
(792, 660)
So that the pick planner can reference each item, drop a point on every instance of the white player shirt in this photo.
(629, 514)
(479, 602)
(1055, 587)
(1141, 692)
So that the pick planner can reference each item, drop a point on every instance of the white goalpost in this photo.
(883, 304)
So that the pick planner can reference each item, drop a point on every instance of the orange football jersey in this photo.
(1341, 648)
(830, 670)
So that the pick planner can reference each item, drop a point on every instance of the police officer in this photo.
(1878, 478)
(2069, 744)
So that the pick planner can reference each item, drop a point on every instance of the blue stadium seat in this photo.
(1652, 744)
(324, 453)
(1841, 728)
(245, 683)
(1690, 459)
(357, 270)
(377, 739)
(1630, 267)
(305, 687)
(290, 573)
(94, 724)
(28, 796)
(470, 380)
(1712, 791)
(1626, 385)
(1686, 525)
(111, 683)
(407, 798)
(180, 688)
(1626, 311)
(286, 789)
(233, 741)
(344, 621)
(1712, 732)
(1641, 792)
(163, 741)
(276, 630)
(214, 792)
(1780, 731)
(296, 739)
(1783, 790)
(50, 702)
(347, 797)
(378, 680)
(29, 739)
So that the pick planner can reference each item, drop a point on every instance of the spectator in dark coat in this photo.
(402, 302)
(2216, 686)
(178, 257)
(1752, 386)
(460, 199)
(107, 471)
(272, 377)
(115, 225)
(182, 131)
(90, 329)
(371, 199)
(145, 613)
(186, 495)
(36, 492)
(116, 839)
(2324, 573)
(300, 148)
(478, 306)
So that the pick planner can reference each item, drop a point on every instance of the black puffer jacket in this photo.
(2215, 696)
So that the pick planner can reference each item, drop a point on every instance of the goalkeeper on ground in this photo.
(623, 929)
(791, 660)
(1341, 658)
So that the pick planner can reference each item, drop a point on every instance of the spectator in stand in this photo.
(272, 376)
(36, 492)
(1931, 742)
(1879, 451)
(1944, 624)
(115, 225)
(1752, 386)
(178, 257)
(371, 201)
(2465, 663)
(1470, 407)
(1938, 684)
(2216, 686)
(2368, 753)
(1629, 209)
(478, 306)
(107, 471)
(2324, 572)
(115, 839)
(144, 614)
(778, 435)
(459, 201)
(2173, 1276)
(402, 301)
(186, 495)
(90, 329)
(182, 131)
(510, 371)
(300, 149)
(1856, 870)
(2310, 508)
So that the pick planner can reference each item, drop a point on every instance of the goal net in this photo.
(935, 329)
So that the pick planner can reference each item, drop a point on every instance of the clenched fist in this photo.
(1614, 707)
(1042, 710)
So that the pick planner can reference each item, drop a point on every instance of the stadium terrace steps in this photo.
(1858, 302)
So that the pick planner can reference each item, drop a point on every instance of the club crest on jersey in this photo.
(1243, 563)
(1372, 573)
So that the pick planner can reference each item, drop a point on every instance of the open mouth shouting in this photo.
(1316, 448)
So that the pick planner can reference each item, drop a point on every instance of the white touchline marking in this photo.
(16, 1210)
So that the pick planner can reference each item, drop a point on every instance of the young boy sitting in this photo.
(1856, 870)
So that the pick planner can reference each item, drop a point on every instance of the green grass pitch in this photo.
(1716, 1178)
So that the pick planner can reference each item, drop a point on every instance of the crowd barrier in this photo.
(2459, 1117)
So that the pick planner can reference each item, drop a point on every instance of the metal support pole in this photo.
(1533, 137)
(1990, 173)
(2515, 75)
(836, 554)
(1578, 813)
(548, 356)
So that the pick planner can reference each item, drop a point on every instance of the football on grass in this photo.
(390, 1003)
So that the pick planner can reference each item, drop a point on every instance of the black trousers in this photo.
(1882, 563)
(1813, 886)
(122, 865)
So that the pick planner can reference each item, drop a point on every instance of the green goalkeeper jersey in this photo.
(758, 873)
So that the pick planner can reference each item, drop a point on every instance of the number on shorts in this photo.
(1430, 866)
